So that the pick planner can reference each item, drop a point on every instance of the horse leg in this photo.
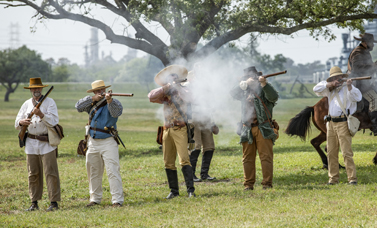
(316, 142)
(375, 159)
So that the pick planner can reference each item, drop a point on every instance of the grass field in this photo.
(299, 198)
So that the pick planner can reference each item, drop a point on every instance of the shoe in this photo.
(265, 187)
(191, 195)
(329, 183)
(53, 207)
(196, 179)
(117, 205)
(352, 183)
(207, 177)
(91, 204)
(171, 195)
(248, 189)
(33, 207)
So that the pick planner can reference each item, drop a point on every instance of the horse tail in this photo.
(300, 124)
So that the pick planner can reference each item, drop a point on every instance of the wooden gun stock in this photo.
(274, 74)
(22, 134)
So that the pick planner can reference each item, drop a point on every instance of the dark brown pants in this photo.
(35, 166)
(266, 155)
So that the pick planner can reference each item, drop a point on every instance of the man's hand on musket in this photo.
(25, 122)
(108, 98)
(333, 84)
(349, 84)
(98, 94)
(38, 112)
(262, 80)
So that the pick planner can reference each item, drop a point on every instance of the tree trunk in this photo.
(6, 98)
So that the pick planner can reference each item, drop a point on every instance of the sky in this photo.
(66, 38)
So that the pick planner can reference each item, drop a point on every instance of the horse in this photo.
(300, 124)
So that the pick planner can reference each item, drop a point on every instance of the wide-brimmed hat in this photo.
(161, 77)
(336, 71)
(35, 83)
(98, 84)
(367, 37)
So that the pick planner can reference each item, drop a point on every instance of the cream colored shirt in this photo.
(38, 125)
(353, 96)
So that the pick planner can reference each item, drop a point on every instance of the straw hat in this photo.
(160, 78)
(367, 37)
(96, 85)
(35, 83)
(336, 71)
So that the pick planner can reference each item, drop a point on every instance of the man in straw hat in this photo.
(40, 155)
(338, 134)
(174, 141)
(102, 150)
(360, 64)
(203, 122)
(256, 132)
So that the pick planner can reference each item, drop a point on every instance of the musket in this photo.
(274, 74)
(22, 134)
(358, 78)
(118, 94)
(114, 133)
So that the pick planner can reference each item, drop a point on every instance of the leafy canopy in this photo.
(216, 22)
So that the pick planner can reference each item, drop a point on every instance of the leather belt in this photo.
(338, 119)
(100, 130)
(175, 123)
(43, 137)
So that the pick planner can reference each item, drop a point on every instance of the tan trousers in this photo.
(338, 136)
(175, 142)
(203, 137)
(101, 154)
(266, 155)
(35, 166)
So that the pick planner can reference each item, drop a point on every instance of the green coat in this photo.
(269, 96)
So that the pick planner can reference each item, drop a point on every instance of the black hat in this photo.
(367, 37)
(253, 70)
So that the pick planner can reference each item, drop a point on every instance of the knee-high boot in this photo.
(373, 119)
(173, 183)
(206, 162)
(187, 173)
(193, 160)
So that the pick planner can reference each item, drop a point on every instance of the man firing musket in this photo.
(360, 63)
(257, 130)
(102, 149)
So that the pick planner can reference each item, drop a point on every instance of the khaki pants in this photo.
(175, 142)
(35, 166)
(103, 153)
(266, 155)
(203, 137)
(338, 136)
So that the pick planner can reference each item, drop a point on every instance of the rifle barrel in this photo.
(123, 94)
(274, 74)
(361, 78)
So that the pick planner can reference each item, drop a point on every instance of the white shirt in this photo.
(38, 126)
(353, 96)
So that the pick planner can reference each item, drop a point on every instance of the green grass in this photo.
(299, 198)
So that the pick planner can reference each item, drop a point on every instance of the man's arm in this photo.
(115, 108)
(158, 95)
(321, 89)
(50, 117)
(84, 104)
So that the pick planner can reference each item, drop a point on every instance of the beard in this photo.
(36, 94)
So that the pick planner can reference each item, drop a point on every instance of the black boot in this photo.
(173, 183)
(373, 119)
(187, 174)
(206, 162)
(193, 160)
